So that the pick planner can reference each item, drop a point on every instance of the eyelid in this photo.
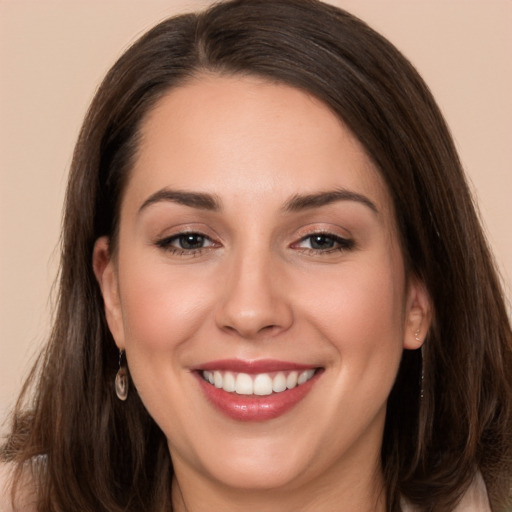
(166, 242)
(324, 228)
(184, 228)
(343, 242)
(172, 238)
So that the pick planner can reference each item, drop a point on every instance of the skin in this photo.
(260, 289)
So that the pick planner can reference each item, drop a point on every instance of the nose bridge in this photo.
(254, 301)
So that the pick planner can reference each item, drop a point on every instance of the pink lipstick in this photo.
(255, 390)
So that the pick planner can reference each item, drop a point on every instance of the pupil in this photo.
(322, 242)
(191, 241)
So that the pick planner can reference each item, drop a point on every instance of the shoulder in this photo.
(5, 488)
(474, 500)
(25, 499)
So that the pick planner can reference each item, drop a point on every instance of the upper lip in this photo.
(256, 366)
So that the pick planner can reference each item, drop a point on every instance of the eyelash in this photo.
(340, 244)
(166, 244)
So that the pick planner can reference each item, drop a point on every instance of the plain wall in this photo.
(54, 53)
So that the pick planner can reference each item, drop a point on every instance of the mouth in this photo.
(260, 384)
(256, 391)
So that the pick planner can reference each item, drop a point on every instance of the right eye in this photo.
(324, 243)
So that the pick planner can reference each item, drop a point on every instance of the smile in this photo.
(260, 384)
(255, 390)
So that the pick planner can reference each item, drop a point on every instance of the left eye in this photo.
(186, 242)
(325, 242)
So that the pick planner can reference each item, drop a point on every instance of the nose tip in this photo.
(251, 324)
(254, 303)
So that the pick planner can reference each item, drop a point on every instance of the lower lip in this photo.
(256, 408)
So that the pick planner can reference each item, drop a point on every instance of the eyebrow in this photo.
(298, 202)
(197, 200)
(305, 202)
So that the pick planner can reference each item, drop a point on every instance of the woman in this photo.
(270, 247)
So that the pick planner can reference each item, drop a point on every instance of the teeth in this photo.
(305, 376)
(260, 384)
(229, 383)
(279, 383)
(291, 380)
(243, 384)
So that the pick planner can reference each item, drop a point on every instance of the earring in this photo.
(121, 382)
(417, 338)
(422, 374)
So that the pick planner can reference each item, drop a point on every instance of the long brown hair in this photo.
(450, 411)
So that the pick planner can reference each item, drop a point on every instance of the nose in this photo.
(254, 303)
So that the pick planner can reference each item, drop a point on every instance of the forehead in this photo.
(246, 138)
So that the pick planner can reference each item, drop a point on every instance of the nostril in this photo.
(266, 329)
(269, 328)
(254, 330)
(252, 310)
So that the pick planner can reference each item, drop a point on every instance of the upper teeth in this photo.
(258, 384)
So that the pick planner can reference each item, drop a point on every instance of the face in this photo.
(258, 250)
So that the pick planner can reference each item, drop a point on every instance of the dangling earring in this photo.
(121, 382)
(417, 338)
(422, 374)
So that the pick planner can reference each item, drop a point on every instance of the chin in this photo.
(270, 475)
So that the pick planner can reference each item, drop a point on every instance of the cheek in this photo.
(360, 311)
(163, 309)
(161, 305)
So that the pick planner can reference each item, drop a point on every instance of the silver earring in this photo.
(121, 382)
(417, 334)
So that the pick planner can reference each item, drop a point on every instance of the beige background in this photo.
(54, 53)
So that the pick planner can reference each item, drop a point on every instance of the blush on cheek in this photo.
(360, 313)
(160, 312)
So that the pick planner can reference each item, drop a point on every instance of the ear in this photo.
(418, 314)
(106, 274)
